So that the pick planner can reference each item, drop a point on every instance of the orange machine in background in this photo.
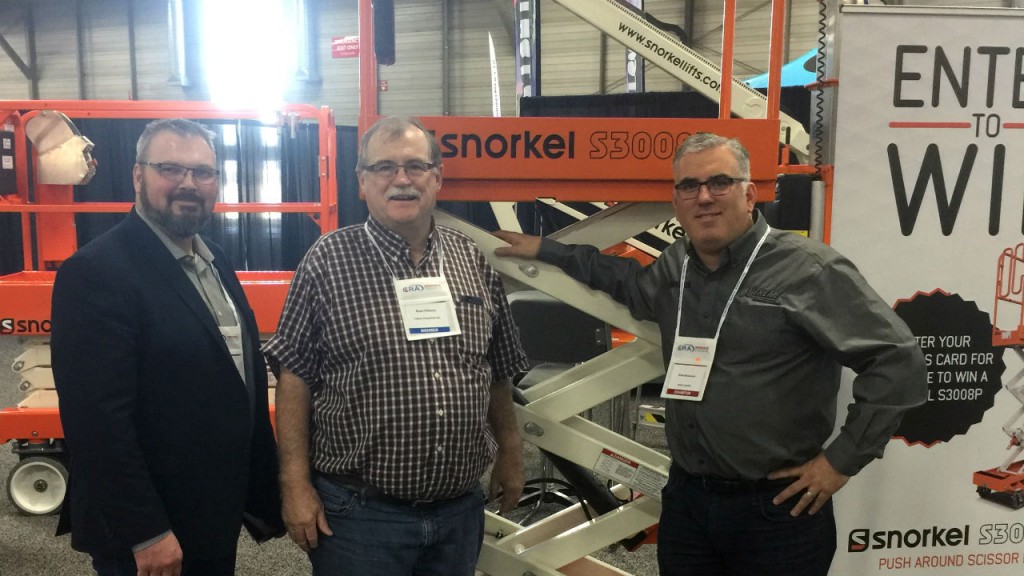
(50, 159)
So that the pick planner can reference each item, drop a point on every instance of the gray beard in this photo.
(175, 225)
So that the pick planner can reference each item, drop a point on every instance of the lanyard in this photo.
(440, 253)
(206, 296)
(424, 303)
(232, 334)
(728, 304)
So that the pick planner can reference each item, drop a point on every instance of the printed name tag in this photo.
(427, 307)
(689, 368)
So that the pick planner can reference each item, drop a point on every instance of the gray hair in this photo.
(392, 127)
(702, 141)
(180, 126)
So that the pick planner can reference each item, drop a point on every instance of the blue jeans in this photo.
(385, 538)
(732, 532)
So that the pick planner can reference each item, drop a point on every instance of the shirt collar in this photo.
(741, 248)
(200, 247)
(394, 245)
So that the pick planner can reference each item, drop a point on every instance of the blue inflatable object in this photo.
(799, 72)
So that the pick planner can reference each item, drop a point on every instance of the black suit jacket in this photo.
(156, 418)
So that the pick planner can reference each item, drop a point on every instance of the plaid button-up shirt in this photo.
(408, 417)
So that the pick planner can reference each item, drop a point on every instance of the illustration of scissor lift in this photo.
(1005, 483)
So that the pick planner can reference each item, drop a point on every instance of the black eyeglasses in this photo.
(389, 169)
(719, 185)
(177, 172)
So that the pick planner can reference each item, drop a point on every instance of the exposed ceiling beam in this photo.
(13, 55)
(503, 7)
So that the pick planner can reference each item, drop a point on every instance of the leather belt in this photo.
(728, 486)
(356, 484)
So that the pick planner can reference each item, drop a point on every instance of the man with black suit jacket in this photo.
(162, 386)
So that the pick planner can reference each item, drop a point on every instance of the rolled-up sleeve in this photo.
(295, 345)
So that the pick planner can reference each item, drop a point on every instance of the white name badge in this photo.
(687, 375)
(233, 338)
(427, 307)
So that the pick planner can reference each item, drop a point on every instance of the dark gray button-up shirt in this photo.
(802, 313)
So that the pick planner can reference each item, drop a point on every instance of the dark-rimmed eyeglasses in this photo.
(389, 169)
(176, 172)
(719, 185)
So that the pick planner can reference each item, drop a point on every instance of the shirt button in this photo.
(700, 461)
(437, 375)
(440, 411)
(690, 426)
(438, 449)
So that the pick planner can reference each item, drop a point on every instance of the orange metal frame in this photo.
(34, 425)
(1009, 290)
(42, 425)
(586, 159)
(25, 296)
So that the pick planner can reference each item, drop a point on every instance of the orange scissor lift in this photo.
(36, 485)
(564, 166)
(626, 163)
(1005, 483)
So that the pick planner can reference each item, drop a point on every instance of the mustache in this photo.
(185, 195)
(403, 191)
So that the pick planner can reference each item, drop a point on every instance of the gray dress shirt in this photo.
(199, 269)
(802, 313)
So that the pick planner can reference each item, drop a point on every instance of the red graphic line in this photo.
(930, 125)
(1013, 125)
(917, 442)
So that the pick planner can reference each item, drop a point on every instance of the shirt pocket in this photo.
(753, 321)
(475, 321)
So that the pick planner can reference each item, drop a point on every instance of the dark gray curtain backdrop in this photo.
(259, 163)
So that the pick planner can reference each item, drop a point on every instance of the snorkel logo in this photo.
(24, 326)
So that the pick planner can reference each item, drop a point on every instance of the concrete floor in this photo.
(28, 547)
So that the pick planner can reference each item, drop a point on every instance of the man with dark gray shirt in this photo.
(756, 325)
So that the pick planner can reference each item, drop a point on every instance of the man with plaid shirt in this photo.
(395, 352)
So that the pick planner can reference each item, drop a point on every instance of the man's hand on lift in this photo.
(303, 513)
(520, 245)
(815, 482)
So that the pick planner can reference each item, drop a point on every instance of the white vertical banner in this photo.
(495, 87)
(527, 61)
(634, 62)
(928, 194)
(504, 212)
